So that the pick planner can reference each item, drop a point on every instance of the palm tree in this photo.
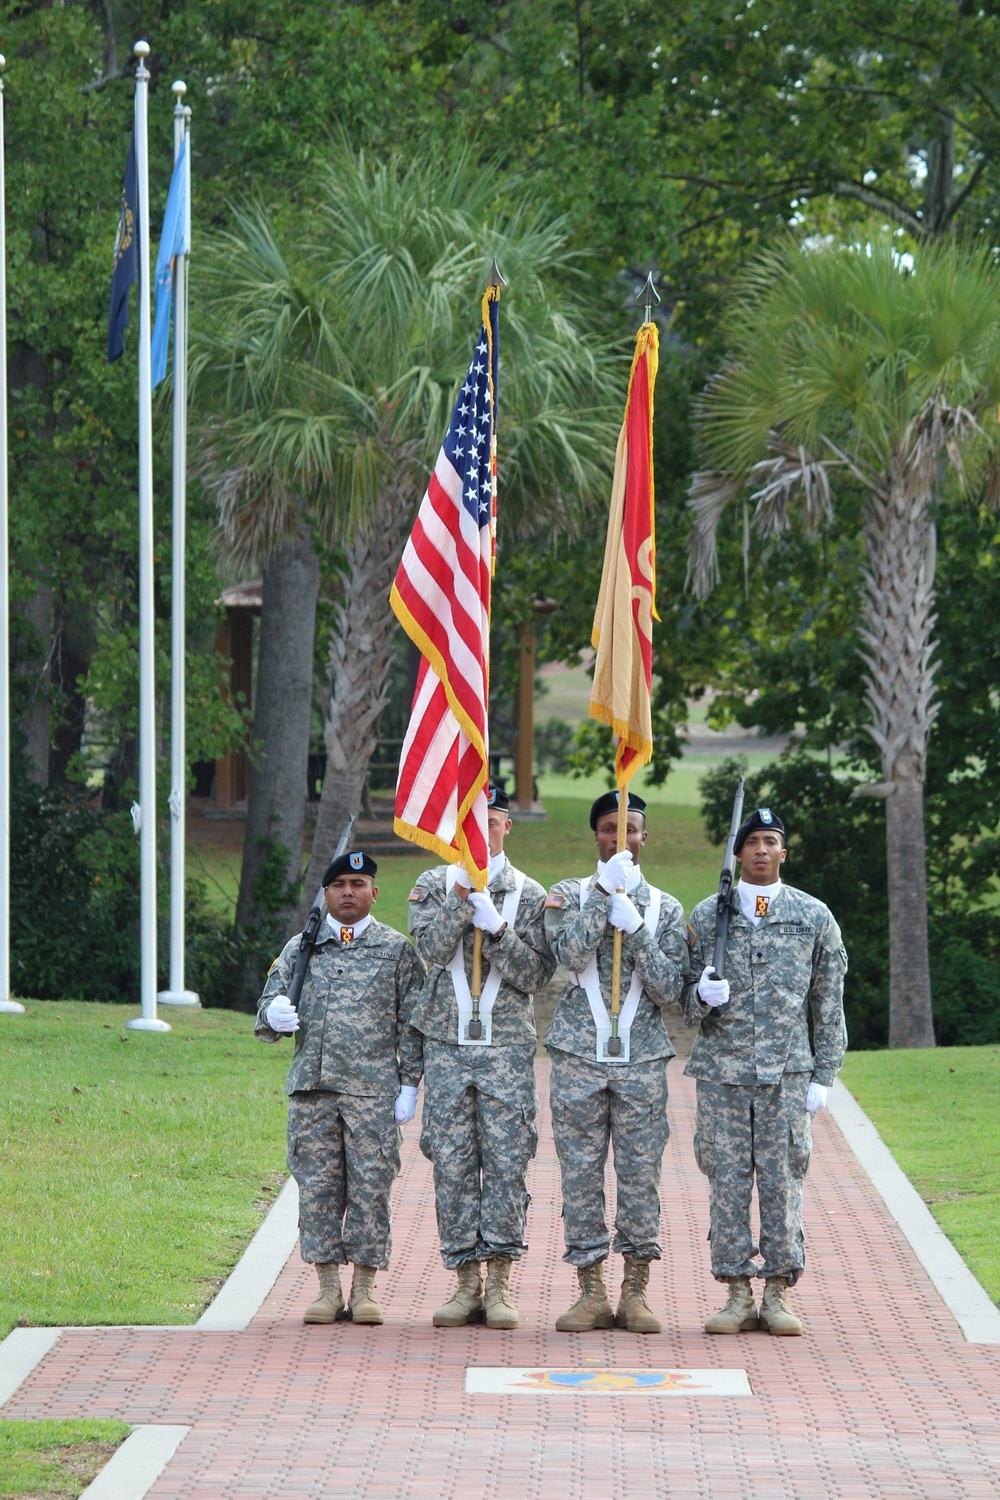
(407, 250)
(327, 374)
(260, 323)
(875, 368)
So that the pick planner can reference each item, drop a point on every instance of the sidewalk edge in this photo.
(20, 1352)
(966, 1299)
(242, 1294)
(134, 1468)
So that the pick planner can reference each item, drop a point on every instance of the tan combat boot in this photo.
(500, 1309)
(775, 1314)
(634, 1312)
(465, 1305)
(739, 1314)
(592, 1309)
(329, 1305)
(364, 1308)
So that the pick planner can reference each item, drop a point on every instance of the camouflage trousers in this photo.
(594, 1106)
(748, 1130)
(343, 1151)
(479, 1134)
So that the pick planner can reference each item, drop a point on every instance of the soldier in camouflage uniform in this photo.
(597, 1101)
(758, 1080)
(479, 1103)
(353, 1048)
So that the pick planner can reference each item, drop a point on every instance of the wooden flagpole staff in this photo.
(614, 1041)
(476, 1025)
(626, 603)
(498, 280)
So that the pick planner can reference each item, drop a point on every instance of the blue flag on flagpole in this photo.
(125, 267)
(174, 241)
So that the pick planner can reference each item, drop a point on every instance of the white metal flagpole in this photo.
(177, 994)
(147, 700)
(8, 1007)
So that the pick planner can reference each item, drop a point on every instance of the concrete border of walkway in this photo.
(966, 1299)
(242, 1294)
(134, 1468)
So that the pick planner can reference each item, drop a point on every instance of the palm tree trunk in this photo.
(277, 793)
(360, 650)
(897, 629)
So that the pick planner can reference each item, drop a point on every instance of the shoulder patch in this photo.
(692, 936)
(419, 893)
(273, 967)
(556, 899)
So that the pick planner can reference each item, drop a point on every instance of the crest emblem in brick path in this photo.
(606, 1381)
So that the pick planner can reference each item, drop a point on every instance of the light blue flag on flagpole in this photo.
(174, 241)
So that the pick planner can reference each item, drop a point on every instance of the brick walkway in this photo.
(882, 1398)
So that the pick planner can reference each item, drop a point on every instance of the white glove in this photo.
(486, 915)
(405, 1106)
(462, 877)
(624, 914)
(281, 1015)
(712, 991)
(616, 871)
(816, 1097)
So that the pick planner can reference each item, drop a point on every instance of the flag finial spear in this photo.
(496, 277)
(648, 291)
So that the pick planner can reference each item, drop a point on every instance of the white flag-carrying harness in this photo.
(491, 988)
(590, 981)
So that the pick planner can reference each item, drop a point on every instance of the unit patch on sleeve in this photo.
(273, 967)
(692, 936)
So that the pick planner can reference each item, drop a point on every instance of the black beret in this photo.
(761, 817)
(354, 863)
(497, 797)
(609, 803)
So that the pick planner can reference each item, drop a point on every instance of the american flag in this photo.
(441, 597)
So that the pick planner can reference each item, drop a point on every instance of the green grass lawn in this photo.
(48, 1460)
(939, 1113)
(678, 858)
(134, 1166)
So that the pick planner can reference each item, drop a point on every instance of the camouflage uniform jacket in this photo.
(353, 1036)
(795, 958)
(439, 919)
(661, 962)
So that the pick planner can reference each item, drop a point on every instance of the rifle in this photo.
(726, 888)
(314, 922)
